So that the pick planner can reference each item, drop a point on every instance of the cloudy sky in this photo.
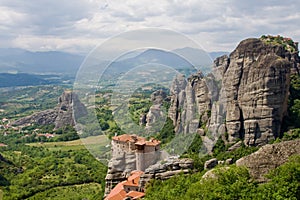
(79, 25)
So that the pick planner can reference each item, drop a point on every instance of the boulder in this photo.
(211, 163)
(269, 157)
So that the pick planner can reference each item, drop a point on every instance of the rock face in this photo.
(269, 157)
(256, 85)
(190, 103)
(68, 105)
(163, 171)
(119, 168)
(155, 117)
(45, 117)
(62, 115)
(245, 96)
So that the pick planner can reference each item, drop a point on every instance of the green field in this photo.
(97, 141)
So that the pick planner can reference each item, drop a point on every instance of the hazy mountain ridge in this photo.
(23, 61)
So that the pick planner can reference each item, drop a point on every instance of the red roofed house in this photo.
(3, 145)
(128, 189)
(47, 135)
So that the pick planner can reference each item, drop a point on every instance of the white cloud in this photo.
(79, 24)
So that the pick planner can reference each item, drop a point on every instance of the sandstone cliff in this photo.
(62, 115)
(245, 97)
(256, 85)
(190, 103)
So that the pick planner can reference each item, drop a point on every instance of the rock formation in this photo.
(211, 163)
(62, 115)
(155, 117)
(256, 85)
(269, 157)
(45, 117)
(245, 96)
(190, 103)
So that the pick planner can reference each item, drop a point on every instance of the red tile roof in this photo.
(118, 192)
(134, 178)
(3, 145)
(135, 194)
(136, 139)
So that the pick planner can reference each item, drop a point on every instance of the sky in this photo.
(78, 26)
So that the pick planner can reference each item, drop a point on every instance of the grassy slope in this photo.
(99, 141)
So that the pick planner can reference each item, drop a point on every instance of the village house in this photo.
(47, 135)
(3, 145)
(5, 120)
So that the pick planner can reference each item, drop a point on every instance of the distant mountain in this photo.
(11, 80)
(14, 60)
(23, 61)
(180, 59)
(154, 56)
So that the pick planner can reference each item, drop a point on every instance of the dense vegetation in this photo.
(287, 43)
(38, 173)
(230, 183)
(293, 117)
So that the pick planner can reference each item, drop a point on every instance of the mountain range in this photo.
(14, 60)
